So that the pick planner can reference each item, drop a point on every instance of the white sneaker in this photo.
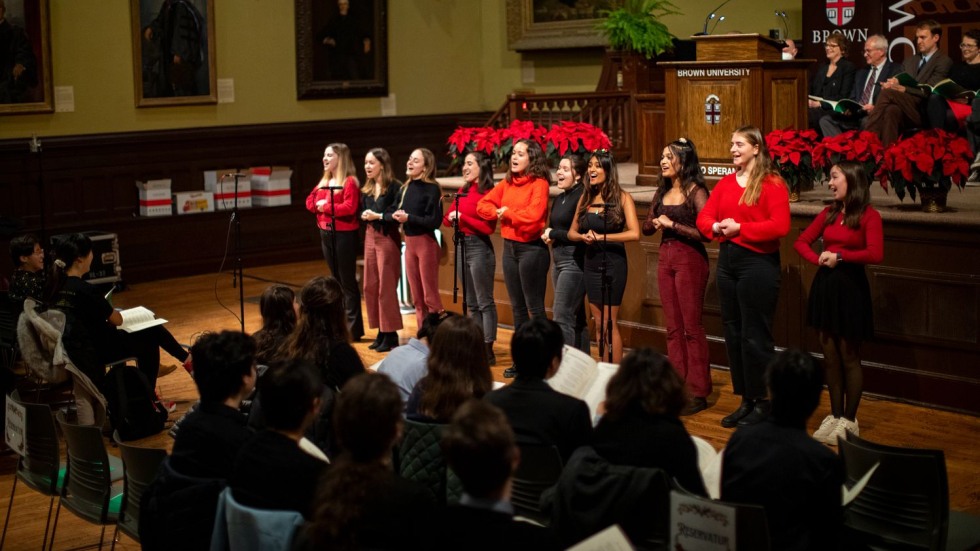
(826, 427)
(843, 427)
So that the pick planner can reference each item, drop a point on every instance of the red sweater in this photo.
(762, 224)
(526, 199)
(469, 221)
(865, 245)
(346, 203)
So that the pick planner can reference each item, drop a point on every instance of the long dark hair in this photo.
(322, 323)
(484, 182)
(366, 418)
(690, 170)
(856, 199)
(278, 321)
(387, 175)
(537, 165)
(646, 381)
(66, 251)
(578, 166)
(609, 190)
(456, 374)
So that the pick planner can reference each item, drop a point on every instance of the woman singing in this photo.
(682, 269)
(748, 212)
(840, 297)
(335, 200)
(605, 221)
(568, 257)
(481, 263)
(520, 203)
(419, 211)
(382, 250)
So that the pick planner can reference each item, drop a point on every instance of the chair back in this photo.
(88, 488)
(9, 312)
(419, 457)
(693, 513)
(906, 500)
(248, 529)
(40, 465)
(141, 466)
(539, 470)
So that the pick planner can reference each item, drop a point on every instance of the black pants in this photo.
(526, 278)
(145, 346)
(346, 273)
(748, 290)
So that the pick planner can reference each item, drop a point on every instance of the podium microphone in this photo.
(711, 16)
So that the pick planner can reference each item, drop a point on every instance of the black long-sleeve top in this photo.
(422, 201)
(684, 217)
(563, 212)
(380, 206)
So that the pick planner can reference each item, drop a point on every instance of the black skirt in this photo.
(840, 302)
(616, 271)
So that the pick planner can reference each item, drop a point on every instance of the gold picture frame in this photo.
(554, 24)
(173, 52)
(31, 91)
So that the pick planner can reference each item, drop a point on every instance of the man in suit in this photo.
(538, 413)
(901, 107)
(479, 447)
(867, 87)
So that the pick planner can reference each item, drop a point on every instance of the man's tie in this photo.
(866, 95)
(921, 63)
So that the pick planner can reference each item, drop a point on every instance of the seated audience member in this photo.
(455, 373)
(900, 107)
(833, 80)
(777, 465)
(405, 365)
(279, 311)
(272, 471)
(479, 447)
(951, 114)
(867, 86)
(641, 427)
(321, 335)
(27, 280)
(538, 413)
(211, 436)
(361, 503)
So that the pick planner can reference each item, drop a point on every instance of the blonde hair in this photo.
(762, 167)
(345, 165)
(428, 173)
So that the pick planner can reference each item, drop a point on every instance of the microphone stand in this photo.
(605, 295)
(459, 244)
(332, 226)
(238, 275)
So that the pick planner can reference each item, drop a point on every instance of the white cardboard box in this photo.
(190, 202)
(271, 186)
(224, 191)
(154, 197)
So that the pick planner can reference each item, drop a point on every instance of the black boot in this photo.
(377, 340)
(732, 419)
(389, 341)
(510, 372)
(759, 413)
(491, 357)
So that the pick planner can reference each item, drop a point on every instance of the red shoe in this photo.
(189, 365)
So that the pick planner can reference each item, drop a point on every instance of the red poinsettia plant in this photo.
(854, 145)
(574, 137)
(562, 138)
(791, 151)
(928, 160)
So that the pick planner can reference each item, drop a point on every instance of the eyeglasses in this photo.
(869, 50)
(831, 45)
(965, 46)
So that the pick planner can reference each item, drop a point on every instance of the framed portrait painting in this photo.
(341, 48)
(173, 52)
(25, 57)
(554, 24)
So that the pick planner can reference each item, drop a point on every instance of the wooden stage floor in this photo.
(208, 302)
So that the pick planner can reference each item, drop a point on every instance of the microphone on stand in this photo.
(785, 19)
(335, 188)
(454, 195)
(711, 16)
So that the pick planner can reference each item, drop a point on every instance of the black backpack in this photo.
(133, 409)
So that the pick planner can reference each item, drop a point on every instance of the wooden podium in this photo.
(737, 80)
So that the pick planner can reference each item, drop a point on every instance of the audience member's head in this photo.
(536, 348)
(290, 393)
(645, 381)
(322, 321)
(455, 372)
(224, 366)
(795, 383)
(928, 34)
(367, 418)
(71, 252)
(278, 308)
(430, 324)
(479, 447)
(838, 39)
(26, 253)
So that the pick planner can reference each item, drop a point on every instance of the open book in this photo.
(945, 88)
(139, 318)
(582, 377)
(844, 106)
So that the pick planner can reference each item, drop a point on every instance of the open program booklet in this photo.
(139, 318)
(582, 377)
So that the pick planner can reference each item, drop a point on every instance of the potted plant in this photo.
(928, 163)
(562, 138)
(853, 145)
(792, 153)
(636, 35)
(573, 137)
